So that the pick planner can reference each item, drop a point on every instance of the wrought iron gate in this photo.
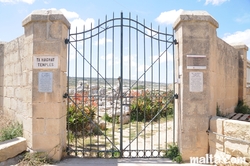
(120, 89)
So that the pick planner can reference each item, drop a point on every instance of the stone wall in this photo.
(18, 79)
(229, 138)
(226, 76)
(42, 112)
(210, 76)
(1, 75)
(247, 99)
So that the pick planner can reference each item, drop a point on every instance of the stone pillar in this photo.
(45, 130)
(242, 54)
(195, 32)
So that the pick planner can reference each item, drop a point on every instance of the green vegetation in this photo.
(146, 106)
(242, 108)
(81, 119)
(173, 153)
(11, 131)
(219, 112)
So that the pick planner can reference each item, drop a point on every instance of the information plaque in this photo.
(45, 82)
(196, 81)
(45, 62)
(196, 62)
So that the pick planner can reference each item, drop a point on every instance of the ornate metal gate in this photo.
(120, 89)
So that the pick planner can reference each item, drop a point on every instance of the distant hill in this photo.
(73, 81)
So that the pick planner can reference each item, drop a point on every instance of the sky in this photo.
(233, 16)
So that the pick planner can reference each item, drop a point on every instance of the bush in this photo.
(242, 108)
(174, 154)
(146, 106)
(81, 119)
(11, 131)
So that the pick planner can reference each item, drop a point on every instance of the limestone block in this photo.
(52, 126)
(38, 125)
(6, 101)
(17, 92)
(50, 48)
(48, 110)
(13, 104)
(236, 148)
(237, 129)
(217, 124)
(45, 141)
(216, 142)
(55, 31)
(11, 148)
(17, 68)
(40, 31)
(10, 92)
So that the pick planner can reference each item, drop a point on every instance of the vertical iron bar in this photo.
(105, 86)
(137, 76)
(90, 68)
(129, 76)
(144, 95)
(83, 75)
(159, 88)
(121, 88)
(152, 88)
(113, 76)
(68, 71)
(76, 89)
(98, 85)
(166, 145)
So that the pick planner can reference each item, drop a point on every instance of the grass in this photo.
(242, 108)
(10, 129)
(35, 159)
(173, 153)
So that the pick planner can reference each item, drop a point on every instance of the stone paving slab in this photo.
(118, 162)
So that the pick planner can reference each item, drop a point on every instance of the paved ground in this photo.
(117, 162)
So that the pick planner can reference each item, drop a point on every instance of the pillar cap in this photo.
(46, 15)
(239, 46)
(195, 16)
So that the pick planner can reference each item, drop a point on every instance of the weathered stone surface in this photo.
(237, 129)
(11, 148)
(216, 124)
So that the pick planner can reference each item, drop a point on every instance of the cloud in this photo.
(69, 15)
(215, 2)
(238, 37)
(77, 22)
(168, 17)
(17, 1)
(244, 19)
(102, 41)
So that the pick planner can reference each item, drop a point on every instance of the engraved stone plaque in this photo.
(196, 62)
(45, 62)
(196, 81)
(45, 81)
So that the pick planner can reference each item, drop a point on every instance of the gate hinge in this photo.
(66, 41)
(66, 95)
(176, 96)
(175, 42)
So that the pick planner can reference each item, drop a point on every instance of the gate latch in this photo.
(176, 96)
(65, 95)
(66, 41)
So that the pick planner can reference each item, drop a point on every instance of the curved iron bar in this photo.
(124, 25)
